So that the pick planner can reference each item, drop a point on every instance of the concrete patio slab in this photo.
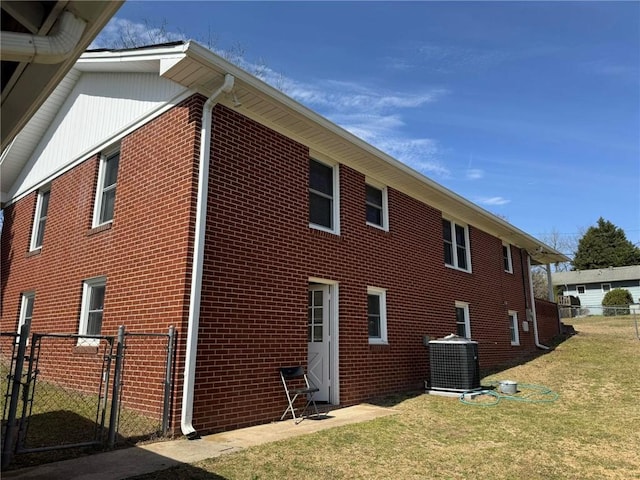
(143, 459)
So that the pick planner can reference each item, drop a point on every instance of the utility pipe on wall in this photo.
(186, 417)
(48, 49)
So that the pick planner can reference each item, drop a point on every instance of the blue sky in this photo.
(529, 109)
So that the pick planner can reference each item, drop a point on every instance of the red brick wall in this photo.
(261, 253)
(548, 320)
(144, 254)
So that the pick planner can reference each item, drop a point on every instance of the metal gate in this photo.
(68, 390)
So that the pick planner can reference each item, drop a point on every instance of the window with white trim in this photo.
(606, 287)
(93, 293)
(377, 315)
(106, 191)
(323, 196)
(463, 323)
(40, 219)
(513, 328)
(26, 310)
(506, 258)
(456, 245)
(580, 289)
(376, 204)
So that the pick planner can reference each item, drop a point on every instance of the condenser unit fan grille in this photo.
(454, 365)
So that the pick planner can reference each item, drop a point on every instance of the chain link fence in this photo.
(69, 391)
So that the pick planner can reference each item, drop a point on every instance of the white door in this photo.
(318, 338)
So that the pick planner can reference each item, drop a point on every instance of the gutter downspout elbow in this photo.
(186, 417)
(533, 308)
(46, 49)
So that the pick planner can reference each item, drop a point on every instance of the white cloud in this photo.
(493, 201)
(474, 174)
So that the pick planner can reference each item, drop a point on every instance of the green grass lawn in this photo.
(591, 432)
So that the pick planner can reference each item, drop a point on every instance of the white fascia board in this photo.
(470, 211)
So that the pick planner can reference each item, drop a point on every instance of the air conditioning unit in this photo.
(454, 364)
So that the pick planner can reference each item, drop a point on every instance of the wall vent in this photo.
(454, 364)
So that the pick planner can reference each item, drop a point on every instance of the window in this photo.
(606, 287)
(377, 315)
(513, 328)
(506, 257)
(376, 201)
(42, 206)
(580, 289)
(456, 241)
(463, 325)
(323, 204)
(26, 310)
(93, 292)
(106, 192)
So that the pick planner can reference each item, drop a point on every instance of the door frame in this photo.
(334, 367)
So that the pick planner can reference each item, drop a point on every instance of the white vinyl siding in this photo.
(99, 109)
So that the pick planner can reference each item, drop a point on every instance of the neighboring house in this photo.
(590, 286)
(164, 186)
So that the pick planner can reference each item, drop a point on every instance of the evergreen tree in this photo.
(605, 246)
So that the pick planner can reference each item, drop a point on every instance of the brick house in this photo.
(165, 186)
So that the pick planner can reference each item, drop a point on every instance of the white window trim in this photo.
(385, 204)
(467, 319)
(36, 219)
(24, 298)
(509, 260)
(602, 286)
(513, 320)
(455, 266)
(97, 205)
(381, 293)
(583, 288)
(87, 285)
(335, 168)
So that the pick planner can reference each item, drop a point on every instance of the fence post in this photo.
(115, 396)
(168, 380)
(10, 432)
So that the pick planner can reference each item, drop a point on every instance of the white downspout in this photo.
(186, 418)
(533, 308)
(49, 49)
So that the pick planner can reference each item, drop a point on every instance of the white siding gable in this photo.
(101, 108)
